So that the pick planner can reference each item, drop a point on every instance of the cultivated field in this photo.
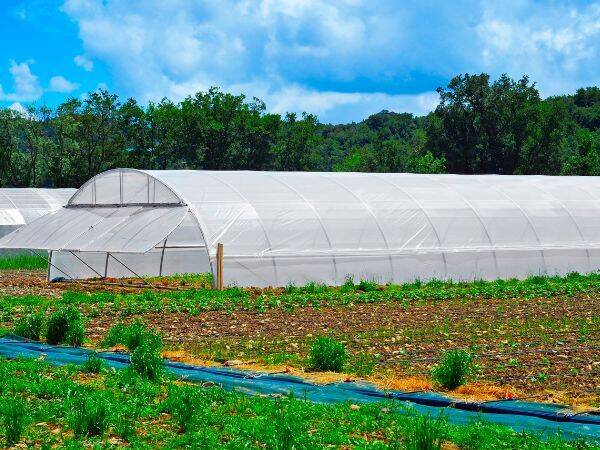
(537, 339)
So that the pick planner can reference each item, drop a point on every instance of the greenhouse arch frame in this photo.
(280, 228)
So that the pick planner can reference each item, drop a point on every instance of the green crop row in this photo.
(194, 301)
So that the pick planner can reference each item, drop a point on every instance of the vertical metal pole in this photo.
(49, 263)
(162, 256)
(220, 266)
(106, 267)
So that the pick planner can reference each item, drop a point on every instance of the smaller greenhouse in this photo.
(278, 228)
(20, 206)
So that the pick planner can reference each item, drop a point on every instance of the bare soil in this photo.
(542, 347)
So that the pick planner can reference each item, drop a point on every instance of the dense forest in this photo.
(480, 126)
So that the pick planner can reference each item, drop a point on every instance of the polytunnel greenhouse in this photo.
(19, 206)
(278, 228)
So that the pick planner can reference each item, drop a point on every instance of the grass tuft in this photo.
(367, 286)
(89, 414)
(327, 354)
(30, 326)
(93, 364)
(144, 344)
(147, 361)
(131, 336)
(65, 325)
(454, 370)
(183, 403)
(14, 418)
(426, 433)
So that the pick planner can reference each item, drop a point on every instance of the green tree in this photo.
(546, 145)
(585, 157)
(297, 140)
(481, 127)
(9, 144)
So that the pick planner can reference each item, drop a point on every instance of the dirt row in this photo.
(537, 346)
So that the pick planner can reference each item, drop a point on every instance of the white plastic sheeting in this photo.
(19, 206)
(281, 227)
(288, 227)
(180, 250)
(129, 229)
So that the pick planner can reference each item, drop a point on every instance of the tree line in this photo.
(481, 125)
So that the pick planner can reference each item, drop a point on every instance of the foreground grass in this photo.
(69, 408)
(22, 262)
(196, 300)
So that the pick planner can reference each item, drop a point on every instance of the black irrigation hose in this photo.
(528, 343)
(408, 358)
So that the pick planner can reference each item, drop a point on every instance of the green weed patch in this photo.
(23, 262)
(65, 410)
(327, 354)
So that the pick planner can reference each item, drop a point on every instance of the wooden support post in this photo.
(220, 266)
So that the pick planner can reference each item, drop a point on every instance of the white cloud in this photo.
(337, 58)
(354, 106)
(84, 62)
(61, 84)
(557, 45)
(274, 49)
(26, 86)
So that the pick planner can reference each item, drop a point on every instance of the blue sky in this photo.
(341, 60)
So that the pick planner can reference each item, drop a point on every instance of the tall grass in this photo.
(14, 417)
(454, 370)
(90, 414)
(426, 433)
(65, 325)
(93, 364)
(184, 403)
(120, 404)
(147, 361)
(327, 354)
(131, 336)
(144, 344)
(22, 262)
(30, 326)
